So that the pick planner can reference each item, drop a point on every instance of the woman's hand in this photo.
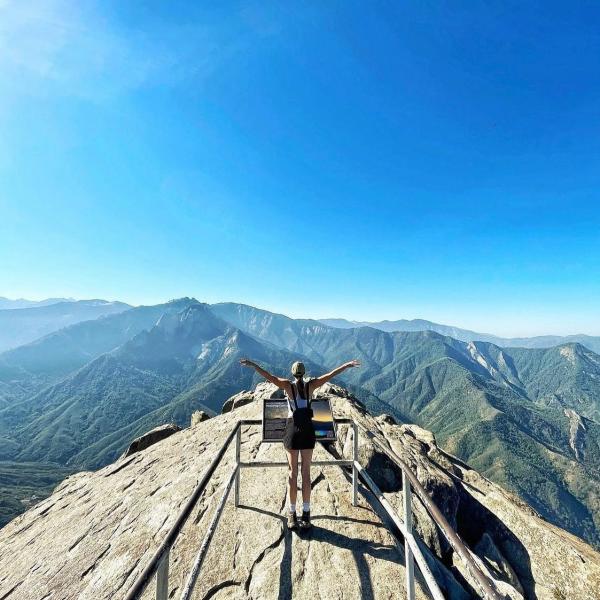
(319, 381)
(280, 383)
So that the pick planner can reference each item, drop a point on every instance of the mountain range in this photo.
(48, 322)
(24, 303)
(23, 325)
(526, 418)
(466, 335)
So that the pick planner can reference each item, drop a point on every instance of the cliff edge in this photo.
(97, 531)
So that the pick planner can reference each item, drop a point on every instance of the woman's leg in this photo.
(292, 456)
(306, 460)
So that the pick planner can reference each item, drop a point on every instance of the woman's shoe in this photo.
(292, 520)
(305, 520)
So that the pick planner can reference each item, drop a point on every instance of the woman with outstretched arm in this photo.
(299, 436)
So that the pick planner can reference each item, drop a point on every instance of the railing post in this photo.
(188, 590)
(408, 555)
(354, 459)
(238, 444)
(139, 586)
(162, 578)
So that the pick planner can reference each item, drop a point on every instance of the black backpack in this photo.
(302, 416)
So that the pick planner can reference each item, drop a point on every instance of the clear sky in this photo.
(364, 160)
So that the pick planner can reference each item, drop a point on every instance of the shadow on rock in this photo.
(360, 549)
(285, 572)
(474, 521)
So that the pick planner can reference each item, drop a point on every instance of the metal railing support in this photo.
(487, 587)
(408, 555)
(408, 537)
(162, 578)
(354, 461)
(143, 579)
(159, 563)
(238, 445)
(314, 463)
(193, 576)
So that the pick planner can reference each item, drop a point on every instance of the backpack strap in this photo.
(293, 386)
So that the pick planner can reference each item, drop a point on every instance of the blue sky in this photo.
(365, 160)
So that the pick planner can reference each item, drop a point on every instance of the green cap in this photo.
(298, 369)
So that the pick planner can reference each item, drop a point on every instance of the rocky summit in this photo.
(93, 536)
(528, 419)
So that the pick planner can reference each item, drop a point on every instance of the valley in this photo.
(525, 418)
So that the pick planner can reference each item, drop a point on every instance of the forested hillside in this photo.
(527, 418)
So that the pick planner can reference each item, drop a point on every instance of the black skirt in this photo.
(299, 431)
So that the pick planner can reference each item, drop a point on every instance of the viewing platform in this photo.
(170, 521)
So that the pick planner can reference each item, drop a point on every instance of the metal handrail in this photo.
(487, 587)
(159, 563)
(411, 548)
(193, 575)
(162, 552)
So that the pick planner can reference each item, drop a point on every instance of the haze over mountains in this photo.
(466, 335)
(80, 310)
(7, 303)
(22, 325)
(526, 418)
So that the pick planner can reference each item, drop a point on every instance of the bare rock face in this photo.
(577, 431)
(262, 391)
(385, 418)
(496, 561)
(236, 401)
(151, 437)
(198, 416)
(95, 534)
(385, 473)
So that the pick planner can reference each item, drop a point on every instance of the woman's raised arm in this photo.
(280, 383)
(319, 381)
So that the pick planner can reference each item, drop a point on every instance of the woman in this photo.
(299, 437)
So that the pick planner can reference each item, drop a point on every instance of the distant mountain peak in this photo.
(20, 326)
(9, 304)
(466, 335)
(184, 300)
(192, 316)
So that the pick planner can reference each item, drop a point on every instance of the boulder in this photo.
(198, 416)
(331, 389)
(262, 391)
(267, 390)
(236, 401)
(385, 418)
(424, 436)
(151, 437)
